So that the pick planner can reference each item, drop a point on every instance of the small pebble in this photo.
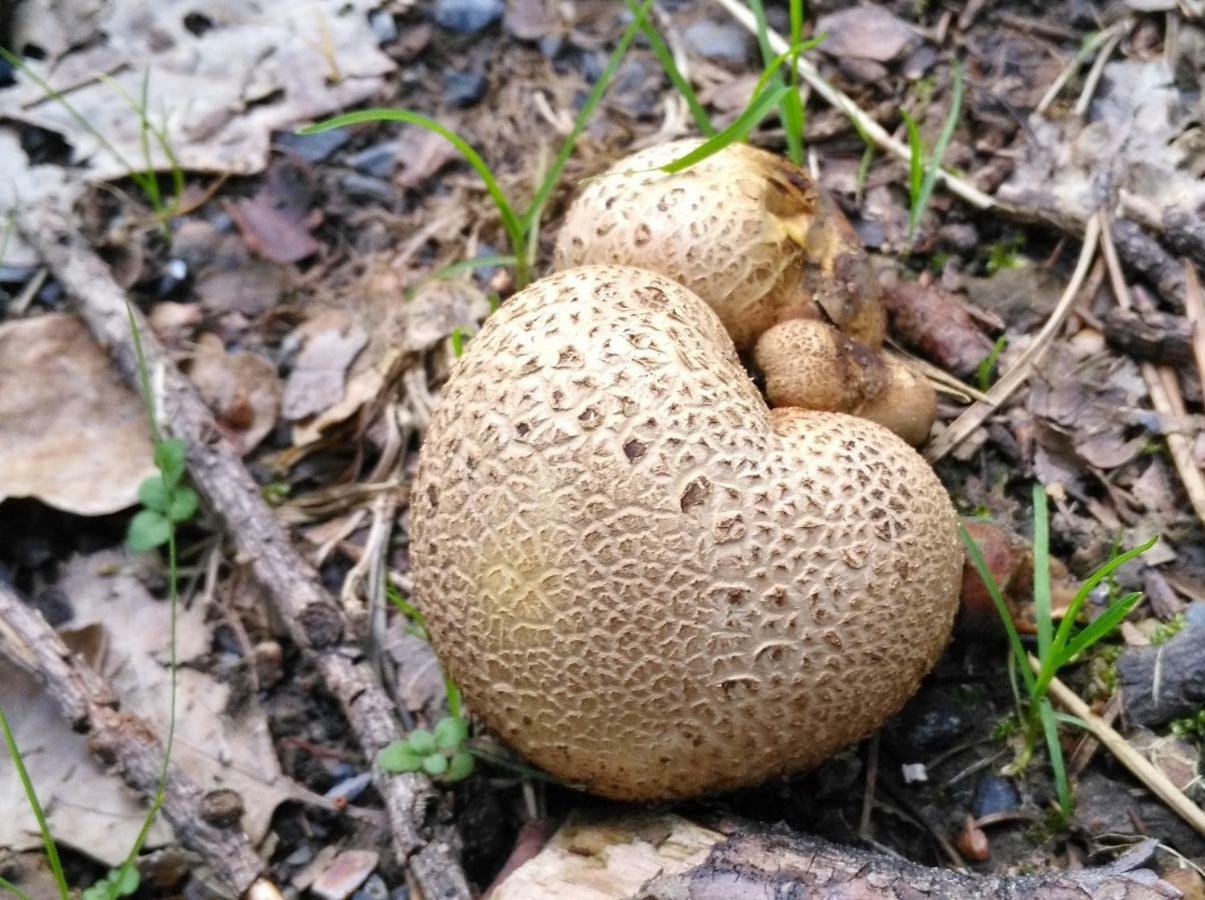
(383, 26)
(377, 161)
(313, 148)
(468, 16)
(713, 40)
(348, 871)
(463, 89)
(994, 794)
(363, 187)
(374, 889)
(350, 788)
(914, 773)
(1194, 615)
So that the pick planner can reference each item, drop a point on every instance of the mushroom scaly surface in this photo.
(642, 578)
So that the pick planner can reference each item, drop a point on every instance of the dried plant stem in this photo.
(1141, 768)
(841, 101)
(973, 416)
(315, 621)
(1194, 307)
(1120, 30)
(1072, 67)
(1163, 387)
(124, 743)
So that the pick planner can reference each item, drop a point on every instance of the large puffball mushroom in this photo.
(642, 578)
(809, 364)
(745, 229)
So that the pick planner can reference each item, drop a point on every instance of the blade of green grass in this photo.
(916, 161)
(993, 588)
(52, 851)
(1055, 750)
(1041, 571)
(666, 57)
(792, 103)
(461, 265)
(6, 885)
(933, 167)
(763, 31)
(1063, 635)
(19, 64)
(510, 222)
(1101, 625)
(736, 131)
(587, 110)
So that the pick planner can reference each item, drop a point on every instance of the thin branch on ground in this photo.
(1140, 767)
(422, 835)
(126, 743)
(973, 416)
(1164, 390)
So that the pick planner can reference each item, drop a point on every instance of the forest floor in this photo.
(277, 280)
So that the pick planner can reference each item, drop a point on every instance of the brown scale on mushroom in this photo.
(765, 247)
(645, 580)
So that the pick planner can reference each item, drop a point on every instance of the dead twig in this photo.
(125, 742)
(1164, 389)
(1140, 767)
(313, 618)
(973, 416)
(1119, 31)
(812, 77)
(1194, 307)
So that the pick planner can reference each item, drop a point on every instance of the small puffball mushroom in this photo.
(745, 229)
(811, 365)
(907, 404)
(642, 578)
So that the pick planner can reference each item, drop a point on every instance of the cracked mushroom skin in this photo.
(745, 229)
(643, 579)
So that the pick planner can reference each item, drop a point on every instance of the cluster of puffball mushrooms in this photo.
(644, 578)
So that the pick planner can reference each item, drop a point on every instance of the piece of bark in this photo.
(755, 865)
(1163, 682)
(422, 835)
(1144, 254)
(935, 323)
(663, 856)
(1149, 335)
(125, 743)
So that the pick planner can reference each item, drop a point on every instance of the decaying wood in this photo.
(316, 624)
(125, 743)
(1163, 682)
(1150, 336)
(762, 864)
(667, 857)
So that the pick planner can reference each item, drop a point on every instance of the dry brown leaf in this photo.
(123, 631)
(221, 89)
(864, 32)
(71, 434)
(317, 380)
(397, 327)
(242, 390)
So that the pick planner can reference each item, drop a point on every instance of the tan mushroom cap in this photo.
(810, 365)
(907, 404)
(746, 230)
(642, 579)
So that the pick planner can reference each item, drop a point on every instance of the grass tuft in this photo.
(1056, 648)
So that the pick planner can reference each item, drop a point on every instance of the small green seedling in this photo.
(923, 171)
(167, 502)
(443, 753)
(983, 375)
(1056, 649)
